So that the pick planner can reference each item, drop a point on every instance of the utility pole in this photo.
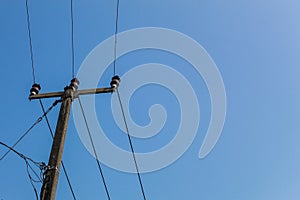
(48, 190)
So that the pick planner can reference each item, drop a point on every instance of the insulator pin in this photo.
(35, 89)
(115, 81)
(75, 83)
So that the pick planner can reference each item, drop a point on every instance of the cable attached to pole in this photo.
(40, 165)
(72, 36)
(31, 127)
(30, 41)
(116, 35)
(131, 146)
(120, 102)
(36, 88)
(94, 149)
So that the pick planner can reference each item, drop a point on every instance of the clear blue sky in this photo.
(256, 47)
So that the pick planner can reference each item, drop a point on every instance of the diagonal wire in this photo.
(31, 127)
(62, 163)
(72, 36)
(41, 166)
(30, 41)
(16, 152)
(131, 145)
(94, 149)
(45, 112)
(116, 36)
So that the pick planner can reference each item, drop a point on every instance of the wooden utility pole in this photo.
(48, 190)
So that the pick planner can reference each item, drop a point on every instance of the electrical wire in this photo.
(120, 102)
(116, 35)
(40, 165)
(45, 112)
(94, 149)
(131, 146)
(19, 154)
(30, 41)
(31, 180)
(31, 127)
(62, 163)
(72, 36)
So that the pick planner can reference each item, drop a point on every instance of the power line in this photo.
(30, 41)
(18, 153)
(31, 179)
(72, 36)
(40, 165)
(31, 127)
(42, 106)
(94, 149)
(120, 102)
(62, 163)
(131, 145)
(116, 35)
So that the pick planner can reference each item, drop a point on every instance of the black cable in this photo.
(131, 145)
(94, 149)
(72, 35)
(45, 112)
(62, 163)
(31, 180)
(116, 37)
(12, 149)
(34, 124)
(30, 41)
(40, 180)
(40, 165)
(31, 127)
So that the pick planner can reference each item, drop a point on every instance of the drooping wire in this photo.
(30, 42)
(72, 36)
(131, 146)
(28, 161)
(31, 179)
(62, 163)
(94, 149)
(39, 164)
(31, 127)
(116, 35)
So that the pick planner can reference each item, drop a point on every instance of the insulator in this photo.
(75, 83)
(115, 81)
(35, 89)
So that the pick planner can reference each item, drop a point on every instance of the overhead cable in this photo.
(116, 35)
(131, 146)
(94, 149)
(28, 162)
(31, 127)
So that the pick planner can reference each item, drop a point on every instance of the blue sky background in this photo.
(256, 47)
